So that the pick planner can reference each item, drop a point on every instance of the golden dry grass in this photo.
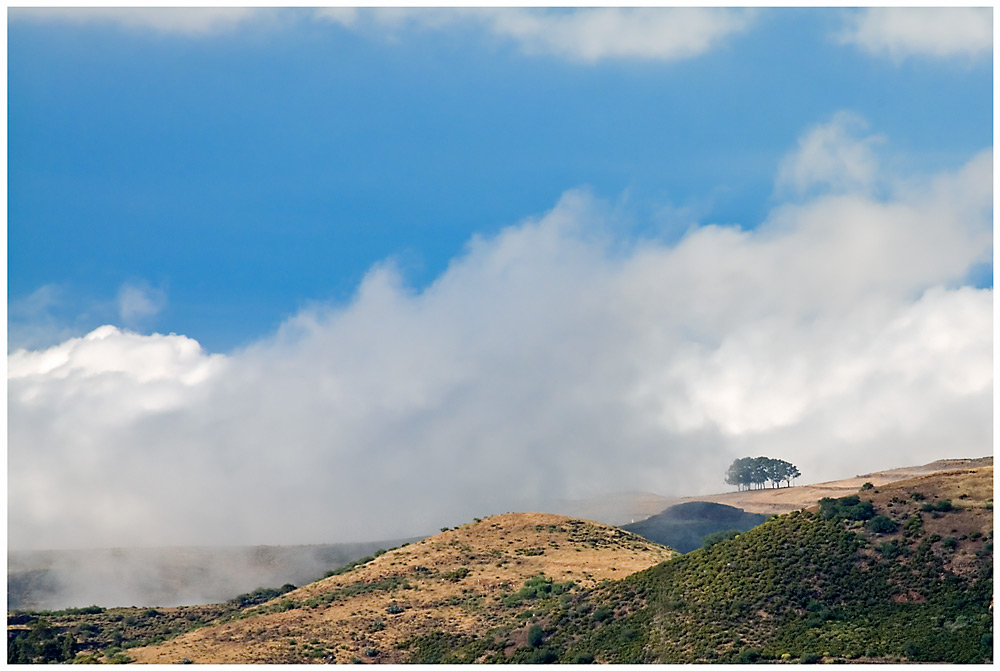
(499, 553)
(787, 499)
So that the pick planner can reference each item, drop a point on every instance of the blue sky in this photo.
(410, 267)
(245, 172)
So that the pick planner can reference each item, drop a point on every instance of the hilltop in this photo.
(625, 508)
(471, 579)
(786, 499)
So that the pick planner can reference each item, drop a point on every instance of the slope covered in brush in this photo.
(903, 574)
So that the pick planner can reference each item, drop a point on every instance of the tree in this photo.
(756, 472)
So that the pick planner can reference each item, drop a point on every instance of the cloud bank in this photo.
(555, 359)
(184, 21)
(584, 35)
(937, 32)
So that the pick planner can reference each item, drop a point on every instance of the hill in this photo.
(897, 570)
(787, 499)
(630, 507)
(479, 577)
(683, 526)
(896, 573)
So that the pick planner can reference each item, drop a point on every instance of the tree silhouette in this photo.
(756, 472)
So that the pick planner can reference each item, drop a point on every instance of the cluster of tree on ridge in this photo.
(755, 472)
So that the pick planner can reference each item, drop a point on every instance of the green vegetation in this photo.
(755, 472)
(804, 587)
(41, 644)
(846, 508)
(719, 536)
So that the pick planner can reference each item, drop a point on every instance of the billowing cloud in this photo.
(938, 32)
(555, 359)
(584, 35)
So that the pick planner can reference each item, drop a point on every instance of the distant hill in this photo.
(625, 508)
(786, 499)
(684, 526)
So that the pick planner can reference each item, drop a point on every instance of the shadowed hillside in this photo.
(685, 526)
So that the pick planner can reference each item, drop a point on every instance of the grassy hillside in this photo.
(855, 579)
(684, 526)
(482, 577)
(900, 571)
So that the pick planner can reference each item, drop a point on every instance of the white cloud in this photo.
(139, 303)
(547, 361)
(939, 32)
(832, 156)
(584, 35)
(188, 21)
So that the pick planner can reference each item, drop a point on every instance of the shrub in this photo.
(950, 543)
(846, 507)
(880, 524)
(718, 537)
(544, 656)
(602, 613)
(867, 486)
(535, 636)
(394, 609)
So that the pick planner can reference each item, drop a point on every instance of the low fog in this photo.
(57, 579)
(559, 359)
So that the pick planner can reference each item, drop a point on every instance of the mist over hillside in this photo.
(58, 579)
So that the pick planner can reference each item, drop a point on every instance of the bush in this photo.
(846, 508)
(535, 635)
(544, 656)
(880, 524)
(865, 487)
(394, 609)
(602, 613)
(718, 537)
